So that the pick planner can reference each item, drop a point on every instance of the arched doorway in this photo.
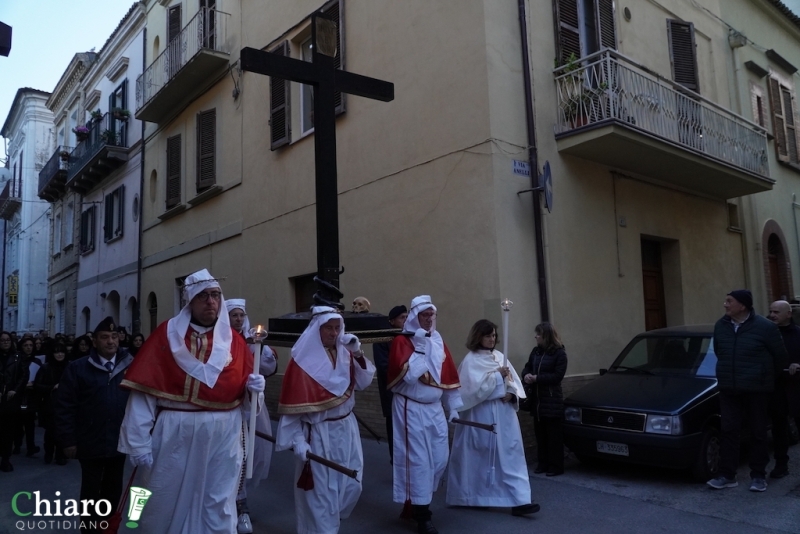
(152, 306)
(777, 269)
(86, 316)
(132, 312)
(113, 306)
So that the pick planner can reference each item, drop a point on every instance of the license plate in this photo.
(620, 449)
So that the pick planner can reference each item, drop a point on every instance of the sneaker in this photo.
(722, 482)
(244, 526)
(780, 471)
(758, 484)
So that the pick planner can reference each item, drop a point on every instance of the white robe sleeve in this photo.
(416, 368)
(364, 376)
(451, 399)
(500, 387)
(268, 364)
(137, 425)
(290, 431)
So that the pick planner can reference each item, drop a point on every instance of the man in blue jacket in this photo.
(89, 410)
(750, 354)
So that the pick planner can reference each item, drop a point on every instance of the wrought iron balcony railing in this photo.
(53, 175)
(10, 199)
(88, 162)
(608, 86)
(206, 31)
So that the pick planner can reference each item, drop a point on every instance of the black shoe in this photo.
(779, 471)
(554, 473)
(525, 509)
(6, 467)
(32, 451)
(540, 469)
(426, 527)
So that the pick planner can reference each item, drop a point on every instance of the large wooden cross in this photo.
(322, 74)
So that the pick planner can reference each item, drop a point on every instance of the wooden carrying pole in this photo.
(352, 473)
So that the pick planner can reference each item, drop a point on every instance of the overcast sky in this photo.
(47, 33)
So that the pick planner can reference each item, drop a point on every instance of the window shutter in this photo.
(568, 37)
(279, 115)
(108, 220)
(206, 148)
(173, 23)
(173, 171)
(778, 124)
(788, 116)
(606, 24)
(84, 229)
(120, 210)
(682, 53)
(334, 10)
(92, 225)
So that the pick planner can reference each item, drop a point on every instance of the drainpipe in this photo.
(137, 312)
(534, 166)
(795, 205)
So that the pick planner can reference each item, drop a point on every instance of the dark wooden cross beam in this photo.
(326, 80)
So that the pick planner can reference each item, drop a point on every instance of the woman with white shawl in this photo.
(488, 468)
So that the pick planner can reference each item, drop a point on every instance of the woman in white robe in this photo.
(488, 468)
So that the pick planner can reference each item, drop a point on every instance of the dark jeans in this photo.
(50, 445)
(26, 428)
(735, 408)
(779, 411)
(8, 429)
(101, 478)
(549, 443)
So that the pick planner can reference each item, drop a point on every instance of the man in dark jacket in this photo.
(88, 413)
(380, 354)
(750, 354)
(13, 380)
(787, 387)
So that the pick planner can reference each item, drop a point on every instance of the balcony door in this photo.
(209, 9)
(174, 47)
(655, 310)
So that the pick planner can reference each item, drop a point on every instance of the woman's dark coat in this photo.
(546, 397)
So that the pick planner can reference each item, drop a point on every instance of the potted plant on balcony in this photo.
(64, 155)
(97, 115)
(577, 95)
(108, 136)
(121, 114)
(81, 133)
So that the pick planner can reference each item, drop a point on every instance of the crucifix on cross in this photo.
(322, 74)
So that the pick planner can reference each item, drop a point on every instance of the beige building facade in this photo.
(646, 171)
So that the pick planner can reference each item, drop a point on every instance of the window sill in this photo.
(735, 229)
(172, 212)
(56, 255)
(67, 248)
(87, 251)
(211, 192)
(115, 238)
(794, 166)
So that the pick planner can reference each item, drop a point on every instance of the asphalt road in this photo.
(597, 499)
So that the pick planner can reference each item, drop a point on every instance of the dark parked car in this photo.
(657, 404)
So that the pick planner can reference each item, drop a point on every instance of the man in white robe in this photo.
(422, 376)
(183, 423)
(316, 407)
(262, 451)
(488, 468)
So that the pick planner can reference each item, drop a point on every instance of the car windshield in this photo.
(673, 355)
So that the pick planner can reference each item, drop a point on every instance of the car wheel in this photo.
(708, 456)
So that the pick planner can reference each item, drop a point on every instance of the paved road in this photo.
(596, 499)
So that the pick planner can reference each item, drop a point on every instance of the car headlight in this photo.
(572, 414)
(664, 424)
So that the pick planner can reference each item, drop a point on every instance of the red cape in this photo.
(154, 371)
(401, 350)
(302, 394)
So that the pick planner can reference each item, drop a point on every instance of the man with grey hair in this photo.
(786, 399)
(183, 424)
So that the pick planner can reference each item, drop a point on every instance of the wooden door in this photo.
(655, 313)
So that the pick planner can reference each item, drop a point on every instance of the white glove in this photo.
(453, 415)
(142, 460)
(420, 340)
(300, 450)
(256, 383)
(351, 342)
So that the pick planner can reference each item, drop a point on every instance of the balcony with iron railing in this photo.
(53, 176)
(613, 111)
(10, 199)
(185, 68)
(100, 151)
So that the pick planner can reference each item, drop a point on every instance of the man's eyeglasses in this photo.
(205, 295)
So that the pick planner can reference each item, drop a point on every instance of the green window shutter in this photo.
(778, 123)
(173, 171)
(682, 53)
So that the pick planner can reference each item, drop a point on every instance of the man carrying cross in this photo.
(316, 407)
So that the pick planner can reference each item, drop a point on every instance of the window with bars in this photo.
(114, 208)
(583, 27)
(682, 53)
(173, 171)
(88, 223)
(206, 149)
(280, 116)
(784, 119)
